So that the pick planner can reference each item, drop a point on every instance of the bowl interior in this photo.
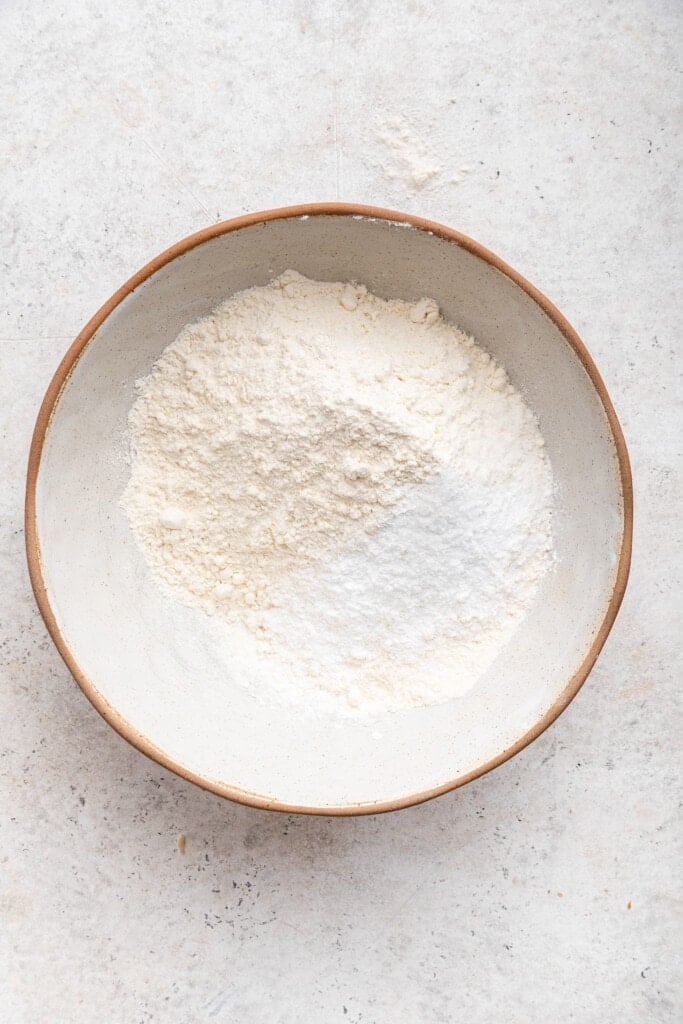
(165, 678)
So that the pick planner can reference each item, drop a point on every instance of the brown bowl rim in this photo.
(61, 375)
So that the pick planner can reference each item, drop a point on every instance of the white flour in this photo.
(410, 158)
(352, 480)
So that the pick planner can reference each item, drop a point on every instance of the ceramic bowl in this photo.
(161, 683)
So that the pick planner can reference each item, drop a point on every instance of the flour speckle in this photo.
(409, 156)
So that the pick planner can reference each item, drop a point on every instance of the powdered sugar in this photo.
(353, 480)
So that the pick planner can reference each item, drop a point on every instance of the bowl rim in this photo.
(51, 399)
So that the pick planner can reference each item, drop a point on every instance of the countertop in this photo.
(543, 892)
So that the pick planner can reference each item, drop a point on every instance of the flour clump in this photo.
(352, 480)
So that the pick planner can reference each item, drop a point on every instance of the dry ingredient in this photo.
(353, 481)
(409, 157)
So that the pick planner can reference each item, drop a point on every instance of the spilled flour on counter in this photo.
(409, 157)
(352, 482)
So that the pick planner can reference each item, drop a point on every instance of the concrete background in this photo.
(545, 892)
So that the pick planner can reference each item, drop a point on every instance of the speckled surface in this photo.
(543, 892)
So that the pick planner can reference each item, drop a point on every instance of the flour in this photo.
(410, 158)
(352, 480)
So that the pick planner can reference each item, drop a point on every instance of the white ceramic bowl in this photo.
(147, 673)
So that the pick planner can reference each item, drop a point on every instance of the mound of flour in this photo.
(351, 479)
